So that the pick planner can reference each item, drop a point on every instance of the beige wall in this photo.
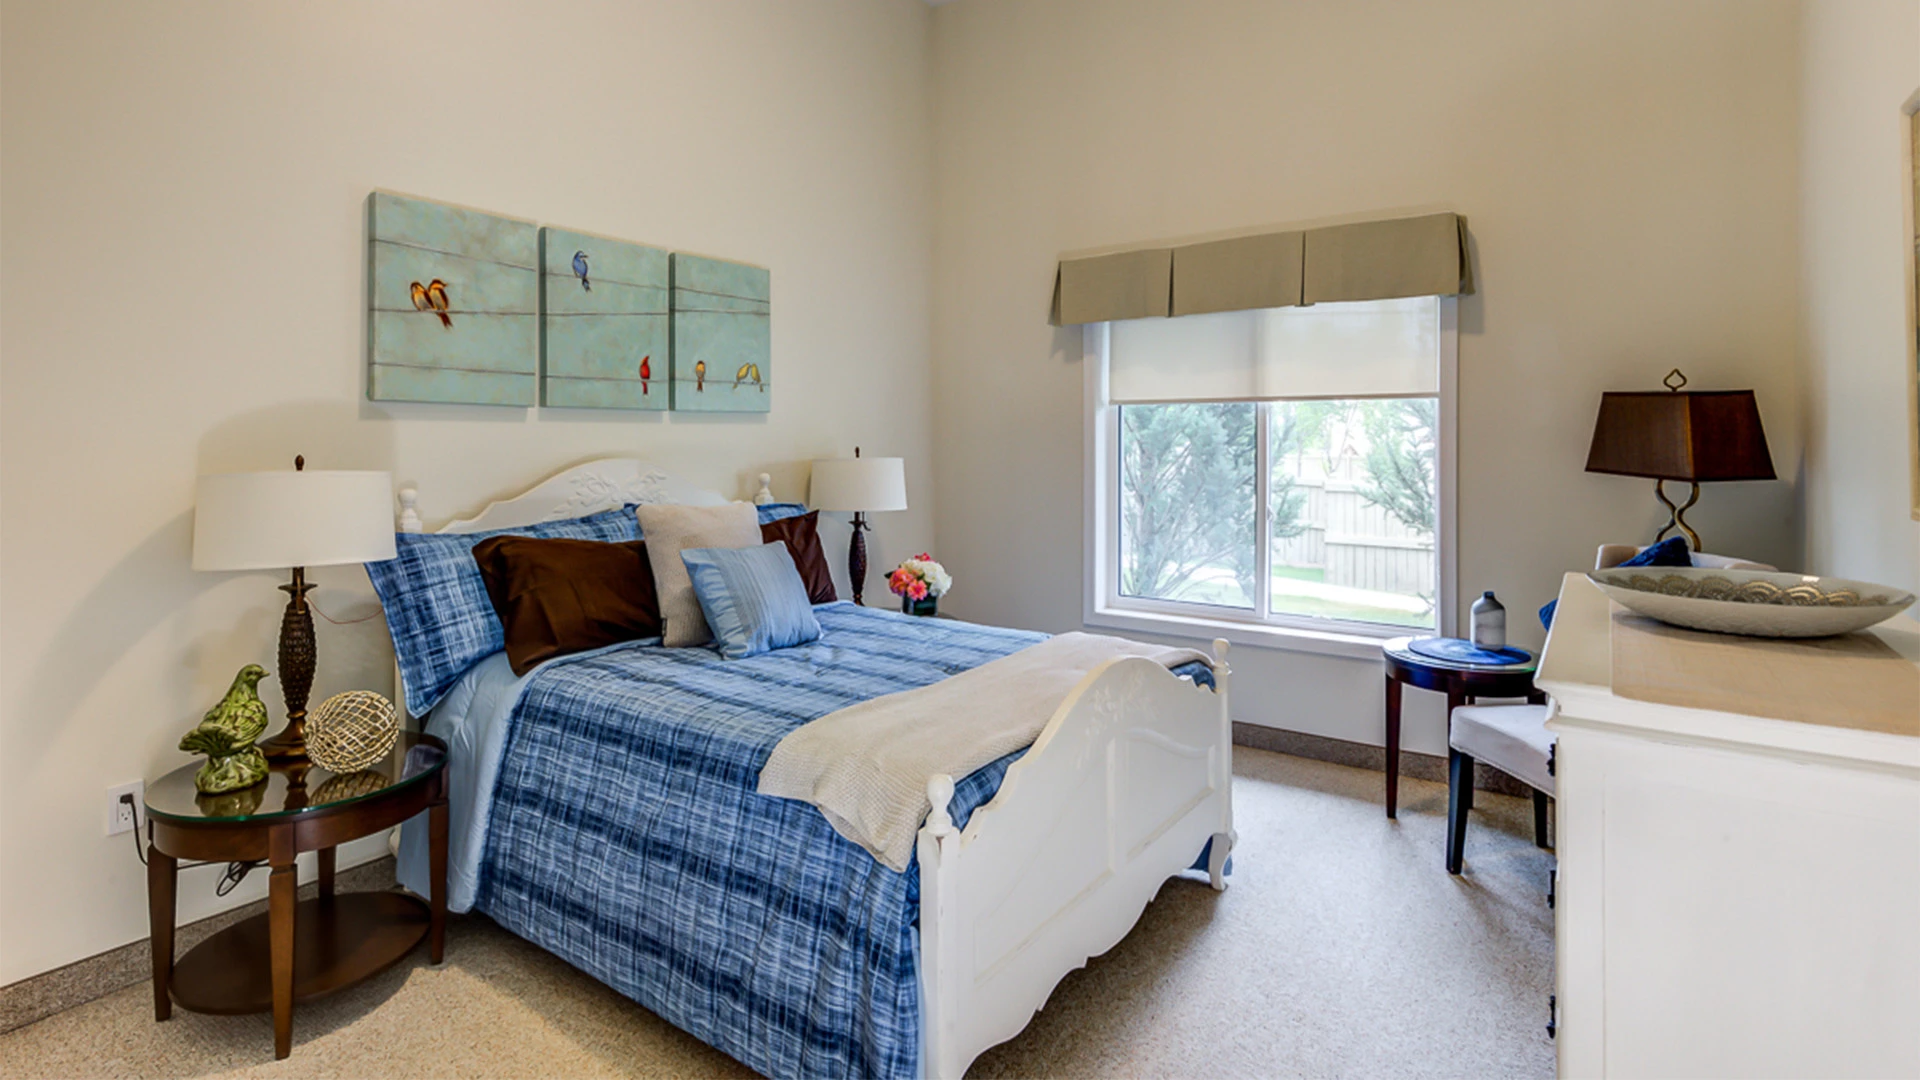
(1862, 62)
(1628, 169)
(183, 281)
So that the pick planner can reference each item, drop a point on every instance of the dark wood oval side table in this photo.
(296, 951)
(1462, 683)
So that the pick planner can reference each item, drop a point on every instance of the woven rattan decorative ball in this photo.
(352, 730)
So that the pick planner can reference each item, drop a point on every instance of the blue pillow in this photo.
(753, 598)
(1669, 552)
(437, 607)
(1672, 551)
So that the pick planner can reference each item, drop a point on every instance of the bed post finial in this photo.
(765, 495)
(409, 521)
(1220, 647)
(939, 793)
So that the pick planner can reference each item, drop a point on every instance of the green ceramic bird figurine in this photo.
(226, 736)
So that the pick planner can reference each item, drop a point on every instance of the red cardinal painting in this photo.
(646, 372)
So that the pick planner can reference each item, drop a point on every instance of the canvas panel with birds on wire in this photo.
(454, 312)
(605, 322)
(722, 336)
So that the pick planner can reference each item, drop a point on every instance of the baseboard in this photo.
(1367, 756)
(42, 995)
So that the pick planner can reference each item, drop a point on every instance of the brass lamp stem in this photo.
(1677, 515)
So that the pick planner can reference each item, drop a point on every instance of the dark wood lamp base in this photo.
(297, 655)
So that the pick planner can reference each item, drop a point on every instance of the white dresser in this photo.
(1738, 893)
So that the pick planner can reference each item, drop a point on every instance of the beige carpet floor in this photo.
(1342, 948)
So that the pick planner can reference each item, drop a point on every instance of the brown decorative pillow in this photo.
(557, 596)
(802, 537)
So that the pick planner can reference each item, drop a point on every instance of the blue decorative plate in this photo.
(1459, 651)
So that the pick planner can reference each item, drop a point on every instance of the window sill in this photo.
(1351, 646)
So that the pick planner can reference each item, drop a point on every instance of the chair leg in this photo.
(1459, 801)
(1540, 820)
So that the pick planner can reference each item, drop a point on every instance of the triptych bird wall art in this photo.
(580, 269)
(432, 297)
(226, 736)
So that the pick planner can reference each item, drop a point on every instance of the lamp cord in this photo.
(375, 613)
(236, 872)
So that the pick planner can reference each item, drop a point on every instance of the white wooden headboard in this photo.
(587, 488)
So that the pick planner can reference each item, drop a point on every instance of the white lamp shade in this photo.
(869, 485)
(278, 520)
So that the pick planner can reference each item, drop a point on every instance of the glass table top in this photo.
(293, 788)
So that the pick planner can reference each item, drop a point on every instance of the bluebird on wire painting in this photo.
(605, 324)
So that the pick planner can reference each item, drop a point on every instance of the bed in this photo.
(604, 808)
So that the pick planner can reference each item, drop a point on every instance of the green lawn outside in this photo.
(1224, 591)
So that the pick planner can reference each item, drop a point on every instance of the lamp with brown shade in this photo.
(1692, 435)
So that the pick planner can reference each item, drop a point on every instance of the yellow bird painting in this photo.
(432, 298)
(700, 376)
(748, 373)
(437, 296)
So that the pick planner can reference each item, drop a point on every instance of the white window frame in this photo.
(1104, 607)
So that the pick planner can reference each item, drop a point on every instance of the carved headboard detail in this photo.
(587, 488)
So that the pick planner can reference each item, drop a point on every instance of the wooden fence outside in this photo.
(1358, 544)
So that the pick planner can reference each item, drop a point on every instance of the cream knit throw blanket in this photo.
(866, 766)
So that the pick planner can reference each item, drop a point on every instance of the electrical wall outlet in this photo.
(124, 816)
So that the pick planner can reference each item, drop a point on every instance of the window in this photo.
(1281, 469)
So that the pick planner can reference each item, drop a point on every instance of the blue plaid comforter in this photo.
(627, 838)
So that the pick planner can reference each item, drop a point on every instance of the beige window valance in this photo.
(1368, 260)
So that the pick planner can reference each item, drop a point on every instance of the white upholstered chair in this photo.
(1511, 738)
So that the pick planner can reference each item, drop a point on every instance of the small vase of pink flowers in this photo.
(919, 583)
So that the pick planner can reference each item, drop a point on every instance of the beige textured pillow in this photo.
(668, 530)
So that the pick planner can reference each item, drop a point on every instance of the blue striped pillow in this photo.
(753, 598)
(436, 602)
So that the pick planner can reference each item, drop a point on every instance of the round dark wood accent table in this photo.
(1462, 683)
(296, 951)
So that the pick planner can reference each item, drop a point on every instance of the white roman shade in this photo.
(1380, 348)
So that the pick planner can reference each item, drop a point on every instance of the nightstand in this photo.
(296, 951)
(1462, 683)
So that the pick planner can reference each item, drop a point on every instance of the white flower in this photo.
(937, 579)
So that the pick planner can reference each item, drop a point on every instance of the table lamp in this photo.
(1694, 435)
(276, 520)
(864, 486)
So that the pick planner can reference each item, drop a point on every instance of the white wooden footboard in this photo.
(1129, 780)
